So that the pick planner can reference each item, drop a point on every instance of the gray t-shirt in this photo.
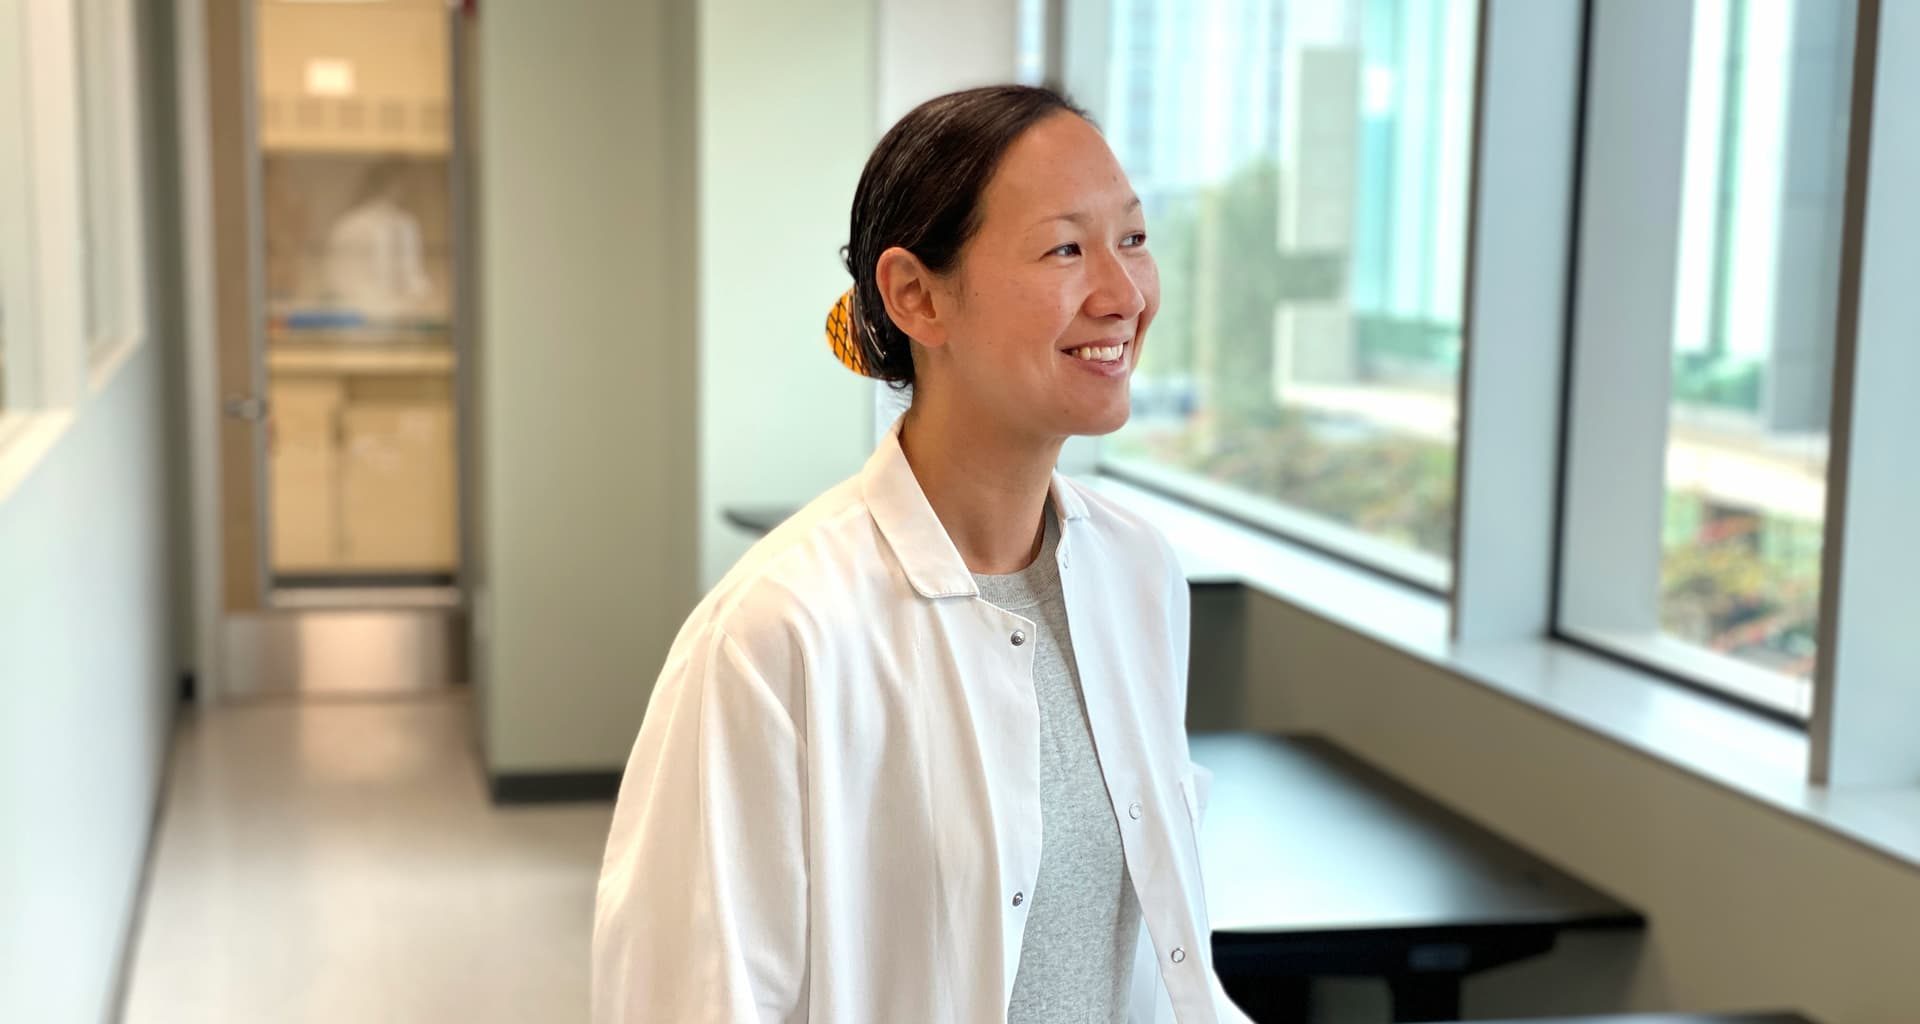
(1083, 919)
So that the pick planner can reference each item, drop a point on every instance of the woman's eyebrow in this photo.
(1081, 216)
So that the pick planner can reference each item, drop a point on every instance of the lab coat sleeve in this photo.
(701, 913)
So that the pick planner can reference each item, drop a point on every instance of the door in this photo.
(306, 460)
(233, 179)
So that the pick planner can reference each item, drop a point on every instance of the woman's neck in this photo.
(988, 489)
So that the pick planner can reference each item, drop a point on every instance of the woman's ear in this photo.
(911, 295)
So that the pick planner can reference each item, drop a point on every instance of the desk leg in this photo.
(1425, 997)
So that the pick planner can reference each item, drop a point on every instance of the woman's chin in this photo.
(1105, 420)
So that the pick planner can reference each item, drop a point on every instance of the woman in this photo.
(919, 756)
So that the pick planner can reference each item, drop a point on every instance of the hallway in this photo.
(339, 861)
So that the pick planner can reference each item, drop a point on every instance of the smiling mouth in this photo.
(1099, 353)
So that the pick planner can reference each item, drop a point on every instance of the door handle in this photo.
(251, 408)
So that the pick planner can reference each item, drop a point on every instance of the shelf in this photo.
(437, 149)
(360, 358)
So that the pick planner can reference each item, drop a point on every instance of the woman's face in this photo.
(1052, 296)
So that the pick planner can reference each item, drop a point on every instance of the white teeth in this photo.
(1099, 353)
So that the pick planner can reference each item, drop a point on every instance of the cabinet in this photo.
(303, 464)
(396, 478)
(363, 464)
(353, 78)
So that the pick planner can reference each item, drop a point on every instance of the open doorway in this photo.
(355, 140)
(334, 189)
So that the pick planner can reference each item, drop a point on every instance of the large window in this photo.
(1304, 166)
(1697, 509)
(110, 230)
(1680, 277)
(72, 287)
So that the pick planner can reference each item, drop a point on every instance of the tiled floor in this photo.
(340, 862)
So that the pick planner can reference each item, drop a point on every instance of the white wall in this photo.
(88, 682)
(930, 47)
(93, 599)
(586, 361)
(927, 48)
(1749, 908)
(793, 98)
(786, 123)
(639, 173)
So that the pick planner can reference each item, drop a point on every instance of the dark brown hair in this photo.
(921, 191)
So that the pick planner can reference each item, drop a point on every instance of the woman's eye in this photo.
(1135, 240)
(1069, 249)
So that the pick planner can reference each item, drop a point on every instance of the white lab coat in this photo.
(835, 795)
(376, 262)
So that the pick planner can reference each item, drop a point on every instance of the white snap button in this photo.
(1019, 898)
(1135, 811)
(1019, 637)
(1179, 955)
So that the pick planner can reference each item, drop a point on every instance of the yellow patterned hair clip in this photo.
(841, 339)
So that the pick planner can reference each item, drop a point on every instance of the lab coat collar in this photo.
(925, 552)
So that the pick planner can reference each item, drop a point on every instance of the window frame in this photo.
(1867, 680)
(1523, 217)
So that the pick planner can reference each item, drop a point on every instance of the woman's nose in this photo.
(1116, 293)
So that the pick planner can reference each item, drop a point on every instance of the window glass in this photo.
(1304, 167)
(1754, 313)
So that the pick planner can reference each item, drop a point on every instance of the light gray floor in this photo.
(339, 861)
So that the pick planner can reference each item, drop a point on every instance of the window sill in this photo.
(1418, 568)
(1739, 751)
(25, 439)
(1784, 697)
